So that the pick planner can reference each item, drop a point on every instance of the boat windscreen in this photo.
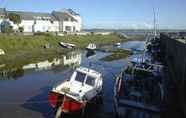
(80, 77)
(90, 81)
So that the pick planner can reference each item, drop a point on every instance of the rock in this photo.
(2, 52)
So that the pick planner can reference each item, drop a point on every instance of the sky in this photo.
(113, 14)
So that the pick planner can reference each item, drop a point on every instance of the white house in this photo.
(58, 21)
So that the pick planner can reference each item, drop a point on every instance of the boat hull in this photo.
(71, 106)
(65, 45)
(91, 50)
(67, 104)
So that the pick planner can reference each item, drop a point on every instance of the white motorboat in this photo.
(118, 44)
(73, 95)
(91, 47)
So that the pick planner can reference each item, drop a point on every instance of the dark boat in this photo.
(138, 89)
(66, 45)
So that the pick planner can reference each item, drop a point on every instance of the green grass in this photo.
(14, 43)
(117, 54)
(21, 49)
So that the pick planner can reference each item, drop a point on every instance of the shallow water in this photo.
(24, 91)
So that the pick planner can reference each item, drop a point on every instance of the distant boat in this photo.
(91, 47)
(67, 45)
(117, 44)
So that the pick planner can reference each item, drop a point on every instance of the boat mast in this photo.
(155, 30)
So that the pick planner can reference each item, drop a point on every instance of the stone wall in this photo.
(175, 59)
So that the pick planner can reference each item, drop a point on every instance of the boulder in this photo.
(2, 52)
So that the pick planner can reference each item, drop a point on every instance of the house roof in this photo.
(70, 11)
(55, 15)
(33, 15)
(62, 15)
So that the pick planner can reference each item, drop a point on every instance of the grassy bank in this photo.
(26, 49)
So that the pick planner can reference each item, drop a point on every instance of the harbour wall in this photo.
(174, 54)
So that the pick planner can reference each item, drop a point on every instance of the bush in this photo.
(43, 34)
(7, 29)
(14, 18)
(21, 29)
(92, 33)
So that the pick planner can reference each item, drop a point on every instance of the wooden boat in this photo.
(67, 45)
(73, 95)
(91, 47)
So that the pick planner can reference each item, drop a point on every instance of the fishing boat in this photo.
(91, 47)
(139, 91)
(67, 45)
(73, 95)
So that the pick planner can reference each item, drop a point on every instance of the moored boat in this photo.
(91, 47)
(138, 89)
(73, 95)
(118, 44)
(67, 45)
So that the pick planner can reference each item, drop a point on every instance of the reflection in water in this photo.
(44, 65)
(31, 91)
(11, 74)
(90, 54)
(72, 59)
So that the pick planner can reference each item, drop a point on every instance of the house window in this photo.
(66, 19)
(67, 28)
(74, 28)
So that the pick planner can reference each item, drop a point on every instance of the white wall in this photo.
(43, 26)
(72, 24)
(27, 25)
(40, 26)
(69, 24)
(79, 22)
(47, 25)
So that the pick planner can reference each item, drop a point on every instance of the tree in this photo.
(15, 18)
(6, 27)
